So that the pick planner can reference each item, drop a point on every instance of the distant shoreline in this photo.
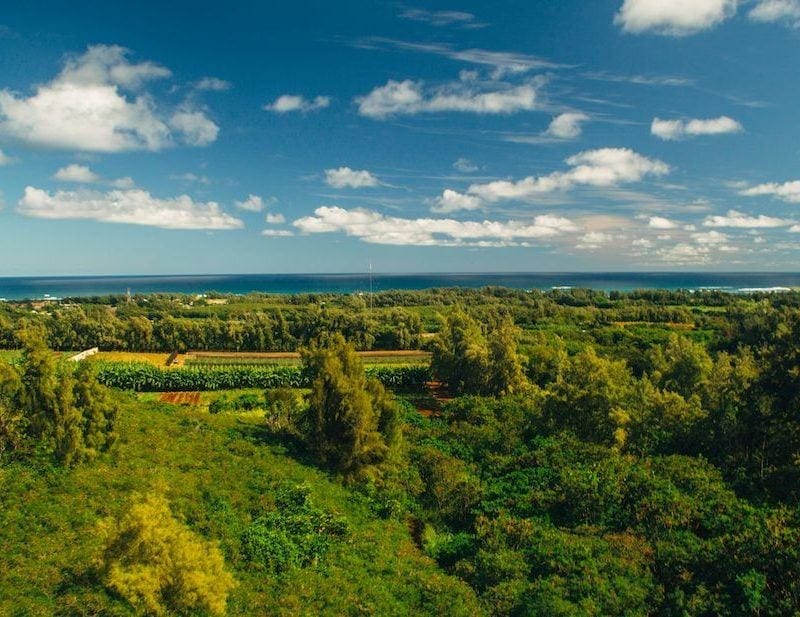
(39, 287)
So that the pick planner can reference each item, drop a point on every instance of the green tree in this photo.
(12, 426)
(682, 366)
(506, 375)
(352, 420)
(461, 355)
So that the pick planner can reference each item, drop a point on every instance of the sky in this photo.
(530, 135)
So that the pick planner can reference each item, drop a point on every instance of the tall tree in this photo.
(352, 420)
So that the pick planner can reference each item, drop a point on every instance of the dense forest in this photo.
(573, 453)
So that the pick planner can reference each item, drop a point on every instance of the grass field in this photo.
(217, 471)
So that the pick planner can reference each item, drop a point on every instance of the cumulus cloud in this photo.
(673, 130)
(567, 125)
(453, 201)
(135, 207)
(213, 84)
(253, 203)
(377, 228)
(76, 173)
(744, 221)
(777, 11)
(95, 104)
(287, 103)
(275, 218)
(673, 17)
(412, 97)
(197, 129)
(659, 222)
(344, 177)
(605, 167)
(82, 174)
(594, 240)
(786, 191)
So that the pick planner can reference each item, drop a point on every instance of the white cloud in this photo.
(190, 177)
(123, 183)
(410, 97)
(605, 167)
(5, 159)
(196, 127)
(594, 240)
(135, 207)
(452, 201)
(710, 237)
(567, 125)
(795, 229)
(502, 62)
(82, 174)
(743, 221)
(253, 203)
(442, 18)
(213, 84)
(777, 10)
(77, 173)
(377, 228)
(659, 222)
(673, 130)
(673, 17)
(95, 105)
(465, 166)
(287, 103)
(275, 218)
(344, 177)
(685, 254)
(276, 233)
(787, 191)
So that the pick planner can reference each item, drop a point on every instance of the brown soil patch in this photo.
(180, 398)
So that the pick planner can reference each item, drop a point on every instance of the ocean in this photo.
(19, 288)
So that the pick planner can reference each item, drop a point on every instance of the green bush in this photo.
(295, 534)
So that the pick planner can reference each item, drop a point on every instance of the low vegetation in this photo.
(572, 453)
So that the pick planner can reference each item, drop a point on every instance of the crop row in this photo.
(143, 377)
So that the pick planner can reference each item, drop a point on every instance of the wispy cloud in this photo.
(460, 19)
(501, 62)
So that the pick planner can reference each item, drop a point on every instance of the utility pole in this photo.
(370, 287)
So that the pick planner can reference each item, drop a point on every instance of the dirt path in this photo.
(288, 355)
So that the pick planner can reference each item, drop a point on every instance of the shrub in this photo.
(160, 566)
(293, 535)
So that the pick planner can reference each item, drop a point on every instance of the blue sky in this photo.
(461, 136)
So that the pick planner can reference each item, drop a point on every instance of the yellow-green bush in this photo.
(158, 565)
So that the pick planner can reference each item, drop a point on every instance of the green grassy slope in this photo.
(218, 472)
